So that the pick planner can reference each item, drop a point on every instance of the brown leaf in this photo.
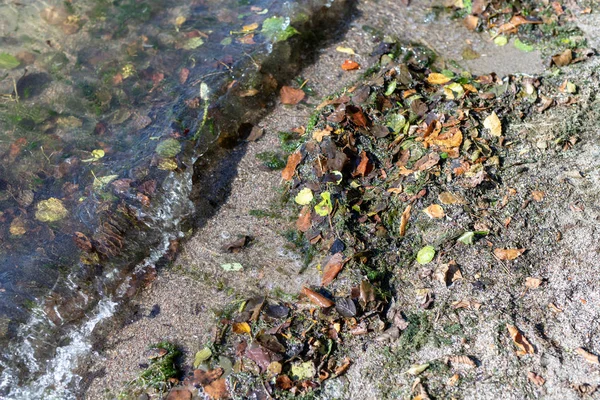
(448, 273)
(508, 254)
(512, 25)
(464, 360)
(183, 75)
(404, 219)
(434, 211)
(317, 298)
(203, 378)
(537, 195)
(350, 65)
(589, 357)
(291, 96)
(520, 341)
(303, 223)
(332, 268)
(471, 22)
(367, 293)
(427, 161)
(535, 378)
(179, 394)
(255, 134)
(562, 59)
(217, 389)
(344, 367)
(83, 242)
(283, 382)
(290, 169)
(364, 167)
(357, 116)
(449, 198)
(471, 304)
(319, 134)
(533, 283)
(237, 245)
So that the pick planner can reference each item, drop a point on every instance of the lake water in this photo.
(105, 106)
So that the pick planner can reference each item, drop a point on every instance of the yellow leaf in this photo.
(179, 20)
(250, 28)
(319, 134)
(241, 328)
(437, 79)
(345, 50)
(492, 122)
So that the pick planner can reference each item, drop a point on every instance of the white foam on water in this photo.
(59, 381)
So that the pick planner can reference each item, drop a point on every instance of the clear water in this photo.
(105, 105)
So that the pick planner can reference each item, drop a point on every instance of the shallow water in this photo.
(105, 106)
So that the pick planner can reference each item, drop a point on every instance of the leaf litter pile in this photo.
(390, 177)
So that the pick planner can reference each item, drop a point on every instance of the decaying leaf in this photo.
(404, 220)
(303, 223)
(367, 292)
(350, 65)
(50, 210)
(449, 198)
(434, 211)
(589, 357)
(332, 268)
(462, 360)
(346, 307)
(523, 345)
(471, 304)
(563, 59)
(535, 378)
(448, 273)
(217, 389)
(17, 227)
(533, 283)
(364, 167)
(492, 122)
(319, 134)
(290, 169)
(471, 22)
(317, 298)
(508, 254)
(290, 95)
(538, 195)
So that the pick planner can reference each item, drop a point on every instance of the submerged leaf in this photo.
(168, 148)
(8, 61)
(50, 210)
(278, 29)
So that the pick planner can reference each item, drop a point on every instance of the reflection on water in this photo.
(104, 107)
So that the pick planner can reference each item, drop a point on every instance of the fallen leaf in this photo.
(449, 198)
(464, 360)
(434, 211)
(217, 389)
(304, 197)
(237, 245)
(283, 382)
(535, 378)
(512, 25)
(255, 134)
(435, 78)
(303, 223)
(51, 210)
(563, 59)
(492, 122)
(425, 255)
(250, 28)
(344, 367)
(417, 369)
(448, 273)
(17, 227)
(537, 195)
(520, 341)
(508, 254)
(241, 328)
(346, 307)
(533, 283)
(319, 134)
(471, 304)
(179, 394)
(290, 169)
(453, 380)
(290, 95)
(345, 50)
(471, 22)
(349, 65)
(404, 219)
(202, 356)
(364, 167)
(232, 267)
(317, 298)
(332, 268)
(589, 357)
(203, 378)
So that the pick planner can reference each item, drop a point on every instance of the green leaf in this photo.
(193, 43)
(304, 197)
(168, 148)
(305, 370)
(391, 87)
(278, 29)
(8, 62)
(523, 46)
(425, 255)
(417, 369)
(101, 182)
(232, 267)
(325, 207)
(501, 41)
(396, 123)
(202, 356)
(466, 238)
(227, 41)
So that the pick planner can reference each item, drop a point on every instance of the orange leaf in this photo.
(364, 167)
(435, 78)
(538, 195)
(434, 211)
(317, 298)
(508, 254)
(520, 341)
(290, 168)
(332, 268)
(349, 65)
(217, 389)
(404, 220)
(241, 328)
(471, 22)
(292, 96)
(303, 223)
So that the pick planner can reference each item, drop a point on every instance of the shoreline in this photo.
(187, 290)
